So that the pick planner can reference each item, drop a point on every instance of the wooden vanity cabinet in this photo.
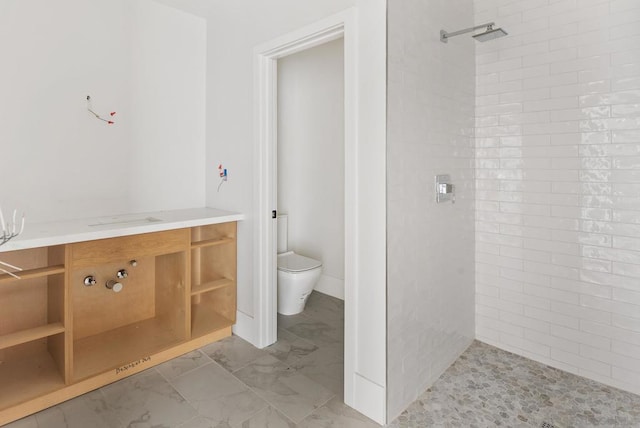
(60, 338)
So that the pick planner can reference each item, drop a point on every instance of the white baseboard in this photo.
(331, 285)
(245, 327)
(369, 398)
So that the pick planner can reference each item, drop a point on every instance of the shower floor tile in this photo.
(489, 387)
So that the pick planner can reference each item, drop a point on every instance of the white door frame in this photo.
(265, 268)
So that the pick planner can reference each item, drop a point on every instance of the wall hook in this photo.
(109, 122)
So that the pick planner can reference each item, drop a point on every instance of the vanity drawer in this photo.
(92, 253)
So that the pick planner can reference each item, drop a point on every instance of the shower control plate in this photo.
(445, 191)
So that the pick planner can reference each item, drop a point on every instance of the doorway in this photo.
(310, 160)
(310, 226)
(266, 72)
(364, 30)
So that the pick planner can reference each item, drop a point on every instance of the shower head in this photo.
(490, 33)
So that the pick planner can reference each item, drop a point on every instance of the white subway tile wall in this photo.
(430, 252)
(558, 185)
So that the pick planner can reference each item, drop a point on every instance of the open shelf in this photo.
(210, 286)
(33, 273)
(213, 278)
(212, 242)
(205, 321)
(39, 372)
(32, 325)
(24, 336)
(114, 348)
(60, 338)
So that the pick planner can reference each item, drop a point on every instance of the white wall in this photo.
(430, 253)
(243, 25)
(558, 185)
(58, 161)
(311, 157)
(168, 108)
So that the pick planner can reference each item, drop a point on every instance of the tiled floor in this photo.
(298, 382)
(488, 387)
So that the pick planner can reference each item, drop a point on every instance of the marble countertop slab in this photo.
(88, 229)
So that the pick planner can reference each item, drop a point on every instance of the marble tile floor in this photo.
(298, 381)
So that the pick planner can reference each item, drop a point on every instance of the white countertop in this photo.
(87, 229)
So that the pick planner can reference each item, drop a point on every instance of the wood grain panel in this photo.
(99, 252)
(97, 309)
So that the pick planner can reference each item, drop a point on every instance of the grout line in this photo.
(247, 364)
(301, 338)
(215, 363)
(198, 415)
(273, 404)
(267, 405)
(266, 400)
(320, 406)
(188, 371)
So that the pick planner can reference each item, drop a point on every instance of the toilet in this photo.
(297, 274)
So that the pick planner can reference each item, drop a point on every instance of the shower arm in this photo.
(444, 36)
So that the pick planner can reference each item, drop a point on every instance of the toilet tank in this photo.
(283, 237)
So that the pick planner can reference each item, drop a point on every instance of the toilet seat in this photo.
(292, 262)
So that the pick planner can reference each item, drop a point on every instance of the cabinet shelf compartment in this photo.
(211, 242)
(32, 273)
(29, 335)
(146, 317)
(213, 235)
(213, 310)
(32, 325)
(118, 347)
(211, 286)
(213, 273)
(30, 370)
(31, 308)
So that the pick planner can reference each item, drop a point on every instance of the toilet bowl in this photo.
(297, 274)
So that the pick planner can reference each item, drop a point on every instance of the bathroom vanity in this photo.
(101, 299)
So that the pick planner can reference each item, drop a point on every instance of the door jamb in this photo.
(265, 101)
